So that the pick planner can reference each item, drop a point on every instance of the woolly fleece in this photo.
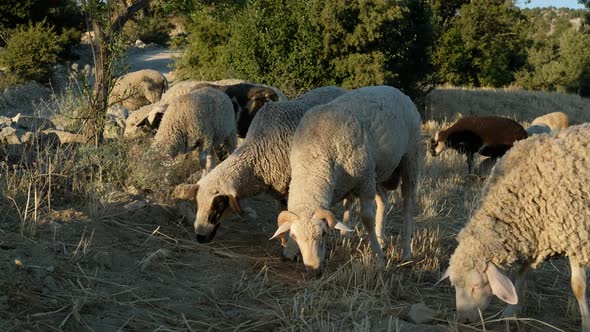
(536, 203)
(202, 119)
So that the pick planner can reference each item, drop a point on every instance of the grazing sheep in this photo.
(489, 136)
(259, 165)
(538, 129)
(203, 120)
(246, 97)
(555, 120)
(139, 88)
(145, 119)
(353, 145)
(535, 204)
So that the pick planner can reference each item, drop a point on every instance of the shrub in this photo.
(31, 52)
(153, 29)
(297, 45)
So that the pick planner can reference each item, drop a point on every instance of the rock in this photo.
(65, 137)
(421, 314)
(32, 123)
(135, 205)
(139, 43)
(10, 135)
(23, 96)
(5, 121)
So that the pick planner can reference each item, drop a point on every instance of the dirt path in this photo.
(157, 58)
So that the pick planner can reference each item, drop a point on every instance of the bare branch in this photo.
(129, 12)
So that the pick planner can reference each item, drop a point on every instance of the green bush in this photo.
(563, 65)
(297, 45)
(152, 29)
(31, 52)
(484, 46)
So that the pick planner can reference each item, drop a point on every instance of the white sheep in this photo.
(534, 205)
(201, 120)
(147, 118)
(246, 97)
(259, 165)
(139, 88)
(352, 145)
(555, 120)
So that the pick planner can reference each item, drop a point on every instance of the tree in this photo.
(298, 45)
(484, 45)
(107, 21)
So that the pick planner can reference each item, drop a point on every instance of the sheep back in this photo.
(534, 204)
(555, 120)
(365, 132)
(139, 88)
(488, 135)
(203, 118)
(321, 95)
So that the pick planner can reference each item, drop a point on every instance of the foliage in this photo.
(562, 66)
(483, 46)
(31, 52)
(303, 44)
(64, 15)
(150, 29)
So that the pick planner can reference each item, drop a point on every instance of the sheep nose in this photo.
(313, 273)
(203, 238)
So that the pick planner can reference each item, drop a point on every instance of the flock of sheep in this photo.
(330, 145)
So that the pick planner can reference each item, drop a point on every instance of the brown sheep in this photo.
(489, 136)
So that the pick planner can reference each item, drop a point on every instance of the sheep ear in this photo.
(444, 276)
(142, 123)
(501, 286)
(185, 191)
(283, 228)
(154, 119)
(339, 225)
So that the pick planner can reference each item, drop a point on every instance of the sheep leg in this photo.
(382, 207)
(207, 161)
(347, 204)
(368, 217)
(230, 144)
(409, 174)
(579, 288)
(512, 310)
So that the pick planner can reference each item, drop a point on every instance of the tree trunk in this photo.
(103, 65)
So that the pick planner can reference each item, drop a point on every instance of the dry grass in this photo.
(92, 263)
(450, 103)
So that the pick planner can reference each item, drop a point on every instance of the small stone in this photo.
(32, 123)
(135, 205)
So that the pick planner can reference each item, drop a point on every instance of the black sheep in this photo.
(489, 136)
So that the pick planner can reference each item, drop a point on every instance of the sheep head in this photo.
(310, 234)
(474, 290)
(212, 207)
(256, 98)
(437, 144)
